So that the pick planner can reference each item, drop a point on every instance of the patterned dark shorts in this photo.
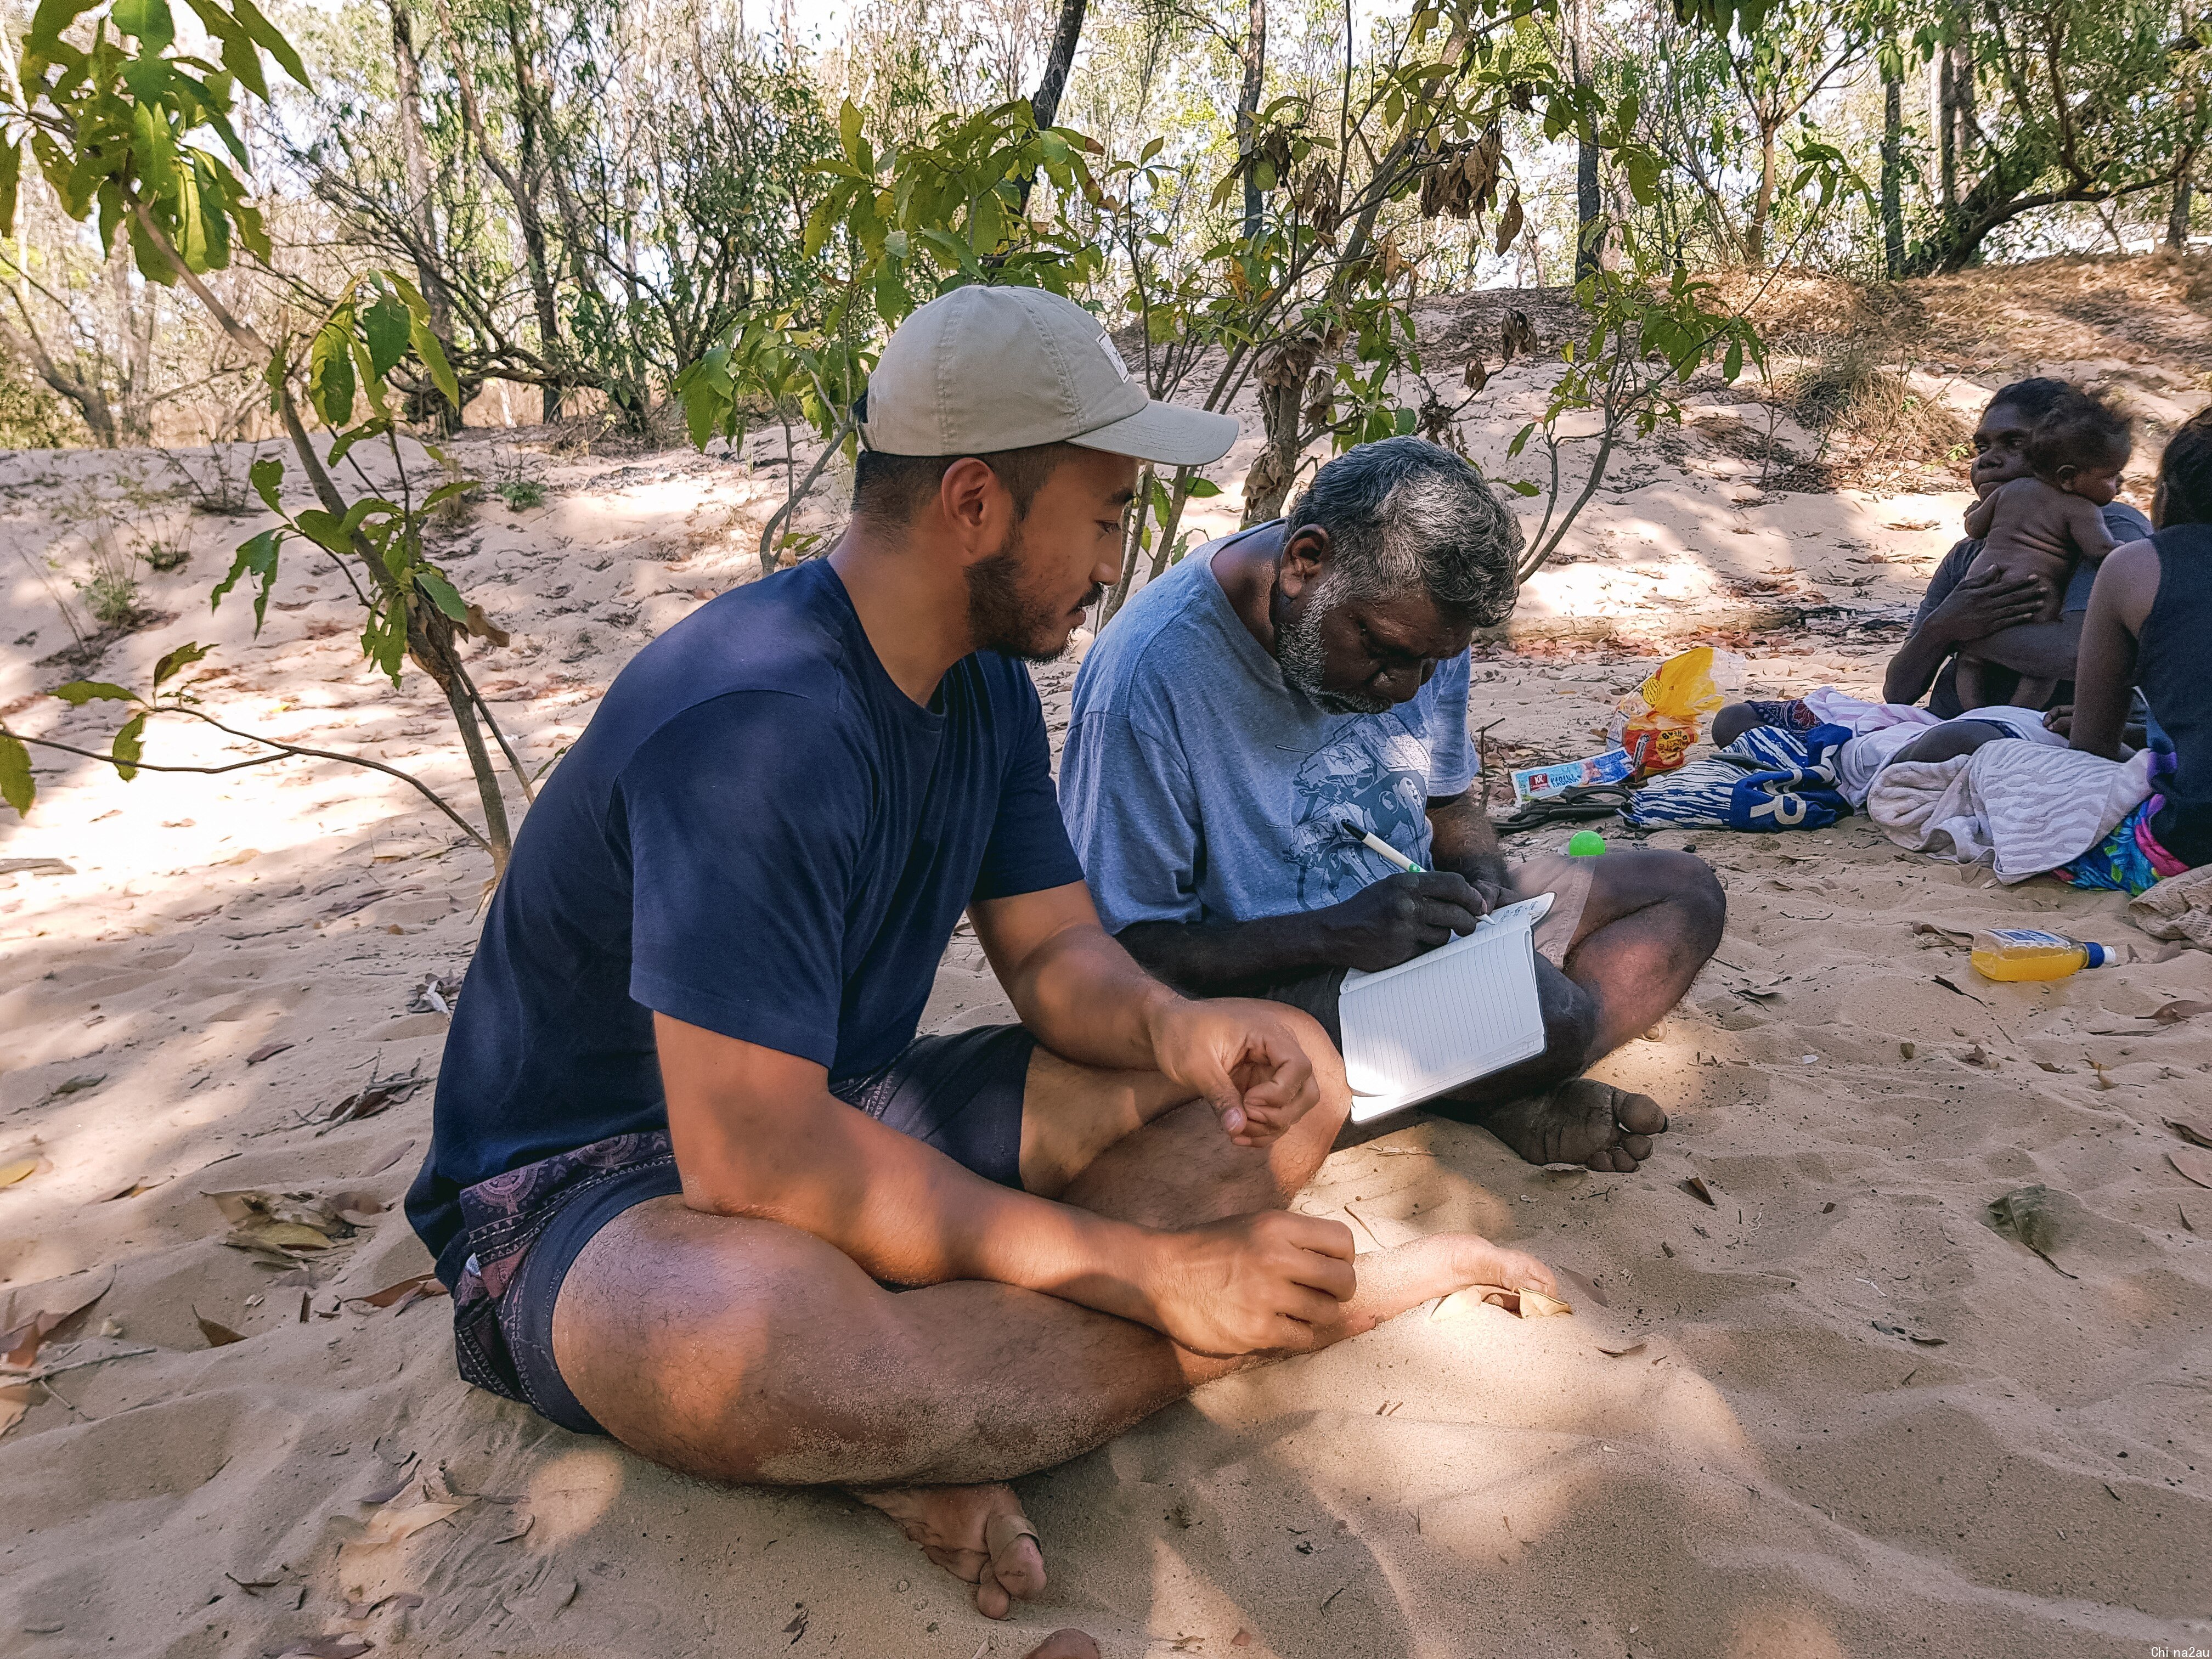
(524, 1228)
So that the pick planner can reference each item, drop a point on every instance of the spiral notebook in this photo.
(1461, 1012)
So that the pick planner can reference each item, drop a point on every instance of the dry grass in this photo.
(1875, 432)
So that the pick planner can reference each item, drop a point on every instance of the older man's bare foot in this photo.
(977, 1534)
(1393, 1280)
(1580, 1121)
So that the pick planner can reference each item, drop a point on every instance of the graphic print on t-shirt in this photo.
(1374, 776)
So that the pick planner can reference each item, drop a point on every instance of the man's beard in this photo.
(1007, 617)
(1302, 659)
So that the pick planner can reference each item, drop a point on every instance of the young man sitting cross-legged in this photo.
(686, 1135)
(1247, 716)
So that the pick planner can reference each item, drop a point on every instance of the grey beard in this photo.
(1299, 654)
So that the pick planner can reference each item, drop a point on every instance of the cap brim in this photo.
(1166, 435)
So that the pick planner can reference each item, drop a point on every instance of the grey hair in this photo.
(1404, 514)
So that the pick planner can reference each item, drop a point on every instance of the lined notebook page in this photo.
(1460, 1013)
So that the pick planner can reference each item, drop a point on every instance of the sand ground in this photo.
(1833, 1413)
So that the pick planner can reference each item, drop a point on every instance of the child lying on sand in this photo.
(2040, 525)
(1881, 731)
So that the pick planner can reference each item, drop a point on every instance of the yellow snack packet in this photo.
(1658, 721)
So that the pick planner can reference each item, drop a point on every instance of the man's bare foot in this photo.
(979, 1535)
(1393, 1280)
(1580, 1121)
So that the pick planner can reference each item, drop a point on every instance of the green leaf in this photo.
(16, 788)
(442, 494)
(1201, 489)
(77, 693)
(1731, 364)
(1403, 422)
(50, 20)
(11, 176)
(1522, 487)
(264, 35)
(849, 120)
(257, 557)
(266, 474)
(1521, 438)
(126, 749)
(326, 529)
(387, 326)
(155, 153)
(434, 358)
(330, 370)
(183, 657)
(441, 594)
(149, 19)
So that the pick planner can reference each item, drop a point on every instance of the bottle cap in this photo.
(2096, 955)
(1585, 844)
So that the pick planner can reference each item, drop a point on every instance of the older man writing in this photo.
(1312, 672)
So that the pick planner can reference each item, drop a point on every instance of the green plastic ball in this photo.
(1586, 844)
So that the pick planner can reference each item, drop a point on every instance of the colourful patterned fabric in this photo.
(1794, 715)
(1770, 778)
(2129, 860)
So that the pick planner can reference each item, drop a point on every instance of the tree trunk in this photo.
(414, 149)
(1965, 115)
(1254, 56)
(2177, 218)
(1044, 103)
(1267, 485)
(522, 191)
(1589, 200)
(135, 408)
(1893, 177)
(1947, 192)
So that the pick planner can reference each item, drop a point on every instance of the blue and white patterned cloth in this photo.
(1767, 778)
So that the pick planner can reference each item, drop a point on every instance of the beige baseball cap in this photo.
(982, 370)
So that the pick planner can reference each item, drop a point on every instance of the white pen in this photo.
(1383, 847)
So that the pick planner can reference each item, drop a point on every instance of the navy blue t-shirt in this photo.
(760, 834)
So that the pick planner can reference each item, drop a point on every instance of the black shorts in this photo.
(961, 1093)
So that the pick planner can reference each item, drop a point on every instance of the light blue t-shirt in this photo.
(1198, 786)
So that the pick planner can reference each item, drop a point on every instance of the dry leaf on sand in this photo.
(2174, 1013)
(20, 1168)
(1623, 1353)
(522, 1524)
(266, 1051)
(2028, 1216)
(2193, 1163)
(405, 1292)
(325, 1647)
(1695, 1186)
(22, 1334)
(396, 1520)
(218, 1336)
(15, 1398)
(282, 1222)
(2198, 1131)
(1528, 1302)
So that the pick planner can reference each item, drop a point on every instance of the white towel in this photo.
(2022, 807)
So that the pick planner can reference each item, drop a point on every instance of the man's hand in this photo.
(1982, 604)
(1250, 1283)
(1243, 1056)
(1401, 916)
(2059, 719)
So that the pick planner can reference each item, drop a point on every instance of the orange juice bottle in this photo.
(2027, 953)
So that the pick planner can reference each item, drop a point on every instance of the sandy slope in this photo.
(1779, 1469)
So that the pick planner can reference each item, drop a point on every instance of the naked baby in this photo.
(2039, 525)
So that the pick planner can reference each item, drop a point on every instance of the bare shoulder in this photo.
(2128, 582)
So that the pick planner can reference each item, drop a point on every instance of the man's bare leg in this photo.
(752, 1352)
(1652, 920)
